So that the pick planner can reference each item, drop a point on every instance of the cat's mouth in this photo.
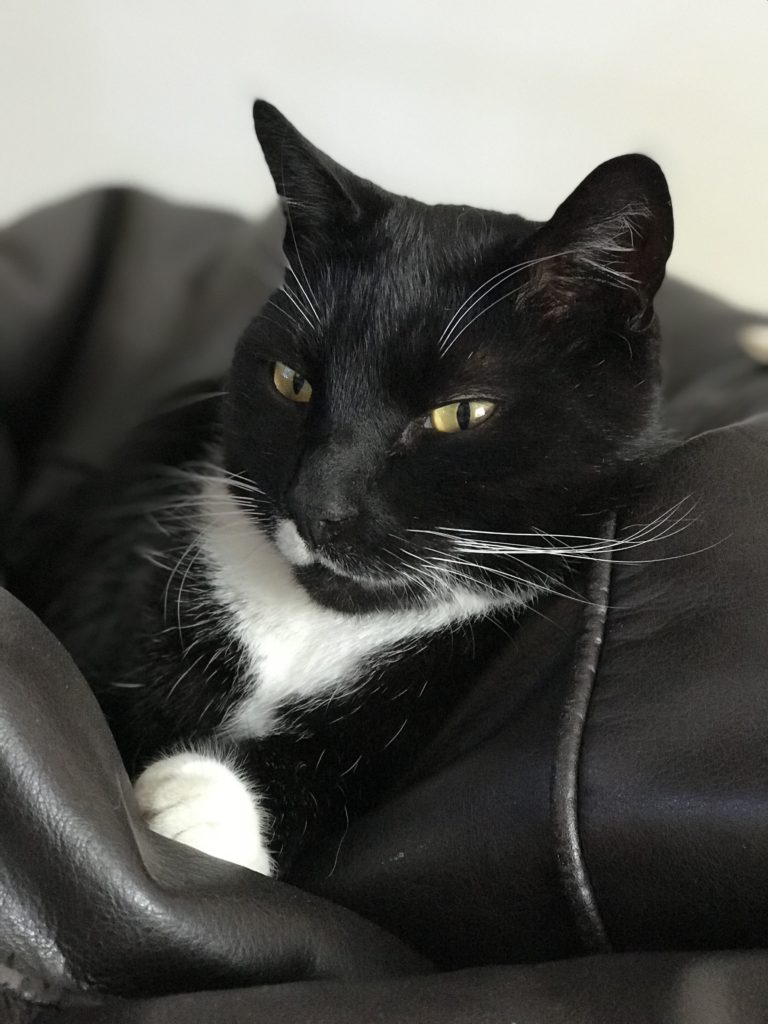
(295, 550)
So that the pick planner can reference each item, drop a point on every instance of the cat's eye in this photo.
(450, 419)
(291, 384)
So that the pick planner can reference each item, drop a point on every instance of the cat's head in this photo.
(438, 389)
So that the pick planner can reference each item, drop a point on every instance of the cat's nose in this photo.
(333, 524)
(325, 497)
(325, 524)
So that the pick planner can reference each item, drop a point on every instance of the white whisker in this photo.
(446, 341)
(486, 542)
(312, 305)
(307, 299)
(274, 304)
(300, 309)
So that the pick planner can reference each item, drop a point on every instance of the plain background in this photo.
(500, 104)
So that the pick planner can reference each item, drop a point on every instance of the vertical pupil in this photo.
(297, 383)
(462, 415)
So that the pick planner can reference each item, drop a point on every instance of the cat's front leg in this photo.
(201, 800)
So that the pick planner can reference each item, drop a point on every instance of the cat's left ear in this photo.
(322, 200)
(608, 242)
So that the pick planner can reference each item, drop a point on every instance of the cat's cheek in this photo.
(200, 801)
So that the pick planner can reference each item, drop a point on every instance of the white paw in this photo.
(202, 802)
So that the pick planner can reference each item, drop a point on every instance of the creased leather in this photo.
(90, 897)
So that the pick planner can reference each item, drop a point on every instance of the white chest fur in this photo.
(297, 650)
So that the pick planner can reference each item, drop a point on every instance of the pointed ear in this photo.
(321, 199)
(608, 242)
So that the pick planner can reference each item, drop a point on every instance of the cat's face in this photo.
(435, 389)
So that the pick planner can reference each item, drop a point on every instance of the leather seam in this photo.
(564, 797)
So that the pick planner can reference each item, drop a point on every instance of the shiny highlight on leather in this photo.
(574, 876)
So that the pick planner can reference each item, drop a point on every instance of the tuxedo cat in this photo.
(280, 590)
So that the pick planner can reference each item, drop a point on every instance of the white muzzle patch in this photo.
(291, 545)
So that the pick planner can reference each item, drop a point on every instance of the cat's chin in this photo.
(344, 594)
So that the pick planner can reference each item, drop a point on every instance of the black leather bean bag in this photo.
(587, 838)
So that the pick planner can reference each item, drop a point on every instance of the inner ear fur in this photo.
(608, 242)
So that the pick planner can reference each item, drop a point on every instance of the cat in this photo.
(279, 605)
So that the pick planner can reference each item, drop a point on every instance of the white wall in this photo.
(503, 104)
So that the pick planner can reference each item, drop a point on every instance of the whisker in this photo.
(289, 219)
(280, 327)
(445, 342)
(289, 294)
(279, 309)
(662, 527)
(304, 290)
(466, 326)
(175, 569)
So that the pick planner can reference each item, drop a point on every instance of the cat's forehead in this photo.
(439, 251)
(394, 293)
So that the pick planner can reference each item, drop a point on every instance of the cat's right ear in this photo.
(321, 199)
(607, 244)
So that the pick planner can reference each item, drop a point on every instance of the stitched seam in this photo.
(564, 804)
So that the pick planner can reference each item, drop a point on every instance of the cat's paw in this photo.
(201, 801)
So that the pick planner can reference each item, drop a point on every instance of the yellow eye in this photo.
(290, 384)
(450, 419)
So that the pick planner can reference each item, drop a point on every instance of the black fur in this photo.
(569, 354)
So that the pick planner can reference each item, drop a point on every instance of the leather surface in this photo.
(111, 300)
(674, 771)
(90, 897)
(727, 988)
